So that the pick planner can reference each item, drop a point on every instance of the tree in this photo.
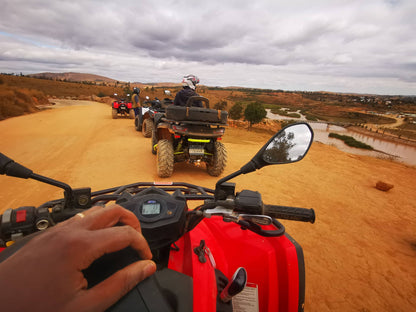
(278, 151)
(220, 105)
(254, 113)
(236, 111)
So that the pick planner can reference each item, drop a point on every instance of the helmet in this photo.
(190, 81)
(136, 90)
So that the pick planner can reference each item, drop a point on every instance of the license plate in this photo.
(195, 150)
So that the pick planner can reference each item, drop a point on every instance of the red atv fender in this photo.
(274, 265)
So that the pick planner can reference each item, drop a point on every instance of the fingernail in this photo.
(150, 268)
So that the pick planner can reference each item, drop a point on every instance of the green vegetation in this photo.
(350, 141)
(254, 113)
(221, 105)
(236, 112)
(285, 113)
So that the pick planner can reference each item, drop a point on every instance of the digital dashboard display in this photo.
(151, 207)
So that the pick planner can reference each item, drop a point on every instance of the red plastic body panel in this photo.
(129, 105)
(271, 264)
(116, 104)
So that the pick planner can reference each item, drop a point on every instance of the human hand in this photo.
(46, 274)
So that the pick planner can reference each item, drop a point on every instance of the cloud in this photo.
(297, 45)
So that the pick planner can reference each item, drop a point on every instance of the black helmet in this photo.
(136, 90)
(190, 81)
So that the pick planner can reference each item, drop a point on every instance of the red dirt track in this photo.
(360, 254)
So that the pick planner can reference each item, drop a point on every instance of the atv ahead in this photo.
(192, 134)
(145, 120)
(121, 107)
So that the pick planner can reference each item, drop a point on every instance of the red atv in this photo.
(120, 107)
(228, 253)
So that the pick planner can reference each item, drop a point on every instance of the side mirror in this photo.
(288, 145)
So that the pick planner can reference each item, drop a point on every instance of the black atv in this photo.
(192, 134)
(144, 122)
(122, 107)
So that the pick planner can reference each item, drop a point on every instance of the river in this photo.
(385, 149)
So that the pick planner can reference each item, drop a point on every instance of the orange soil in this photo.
(360, 253)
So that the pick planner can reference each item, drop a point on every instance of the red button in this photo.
(20, 216)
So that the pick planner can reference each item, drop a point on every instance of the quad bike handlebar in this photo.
(246, 209)
(290, 213)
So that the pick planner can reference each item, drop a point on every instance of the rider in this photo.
(136, 101)
(46, 274)
(189, 83)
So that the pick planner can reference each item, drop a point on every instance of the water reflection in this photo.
(385, 149)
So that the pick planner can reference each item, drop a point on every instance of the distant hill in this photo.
(73, 77)
(82, 77)
(160, 84)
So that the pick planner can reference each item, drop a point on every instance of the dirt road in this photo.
(360, 254)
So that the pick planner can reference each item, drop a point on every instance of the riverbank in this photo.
(383, 136)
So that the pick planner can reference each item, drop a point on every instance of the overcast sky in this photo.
(364, 46)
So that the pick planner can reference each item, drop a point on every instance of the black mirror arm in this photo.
(253, 165)
(11, 168)
(66, 187)
(220, 187)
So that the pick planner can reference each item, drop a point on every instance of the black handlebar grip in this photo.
(289, 213)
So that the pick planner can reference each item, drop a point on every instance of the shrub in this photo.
(254, 113)
(220, 105)
(350, 141)
(236, 111)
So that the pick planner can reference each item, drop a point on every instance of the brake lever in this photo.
(257, 219)
(230, 215)
(218, 211)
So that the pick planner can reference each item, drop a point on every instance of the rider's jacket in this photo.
(182, 97)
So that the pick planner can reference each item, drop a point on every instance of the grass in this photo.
(285, 113)
(350, 141)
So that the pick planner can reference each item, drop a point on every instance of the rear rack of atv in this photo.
(190, 122)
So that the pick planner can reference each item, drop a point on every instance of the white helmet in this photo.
(190, 81)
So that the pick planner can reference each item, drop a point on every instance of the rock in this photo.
(383, 186)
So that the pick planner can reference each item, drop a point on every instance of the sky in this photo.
(353, 46)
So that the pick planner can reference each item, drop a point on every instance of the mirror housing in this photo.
(289, 145)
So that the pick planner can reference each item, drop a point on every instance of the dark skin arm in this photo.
(46, 274)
